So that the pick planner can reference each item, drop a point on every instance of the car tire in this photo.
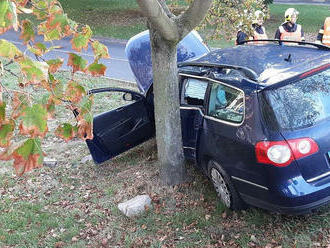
(224, 187)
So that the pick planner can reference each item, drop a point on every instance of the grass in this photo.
(311, 17)
(116, 18)
(75, 203)
(122, 19)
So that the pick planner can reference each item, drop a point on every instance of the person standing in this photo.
(259, 32)
(324, 33)
(290, 30)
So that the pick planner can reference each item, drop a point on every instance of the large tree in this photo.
(166, 30)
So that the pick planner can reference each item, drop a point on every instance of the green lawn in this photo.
(311, 17)
(75, 203)
(116, 18)
(122, 19)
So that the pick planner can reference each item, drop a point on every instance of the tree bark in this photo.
(166, 30)
(167, 109)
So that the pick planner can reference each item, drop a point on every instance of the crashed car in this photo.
(255, 119)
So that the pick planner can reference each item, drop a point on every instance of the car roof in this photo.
(270, 63)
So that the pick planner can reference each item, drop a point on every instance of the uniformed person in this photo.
(290, 30)
(259, 32)
(324, 33)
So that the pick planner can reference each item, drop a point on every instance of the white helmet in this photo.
(289, 13)
(258, 14)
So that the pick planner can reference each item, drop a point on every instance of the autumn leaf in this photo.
(28, 156)
(34, 71)
(85, 108)
(97, 69)
(20, 102)
(38, 49)
(50, 106)
(77, 62)
(8, 16)
(54, 65)
(21, 3)
(100, 50)
(85, 129)
(27, 33)
(34, 121)
(38, 9)
(49, 34)
(74, 92)
(2, 112)
(81, 40)
(8, 50)
(6, 133)
(65, 131)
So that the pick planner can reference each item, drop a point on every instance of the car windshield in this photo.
(300, 104)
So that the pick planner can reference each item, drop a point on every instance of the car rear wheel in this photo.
(224, 187)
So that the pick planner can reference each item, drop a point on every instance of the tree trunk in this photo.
(167, 109)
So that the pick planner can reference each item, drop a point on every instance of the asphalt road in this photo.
(117, 66)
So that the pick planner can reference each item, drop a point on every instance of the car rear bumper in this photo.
(295, 210)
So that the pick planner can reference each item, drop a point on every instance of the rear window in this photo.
(300, 104)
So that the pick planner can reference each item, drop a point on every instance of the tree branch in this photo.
(159, 19)
(166, 9)
(193, 16)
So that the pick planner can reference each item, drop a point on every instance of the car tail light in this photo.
(282, 153)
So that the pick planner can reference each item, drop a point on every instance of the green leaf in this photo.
(38, 10)
(8, 50)
(85, 108)
(28, 156)
(6, 132)
(8, 16)
(100, 50)
(77, 62)
(38, 49)
(34, 121)
(97, 69)
(27, 33)
(54, 64)
(2, 111)
(49, 34)
(81, 40)
(74, 91)
(65, 131)
(34, 71)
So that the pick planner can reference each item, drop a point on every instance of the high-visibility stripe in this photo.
(295, 36)
(326, 33)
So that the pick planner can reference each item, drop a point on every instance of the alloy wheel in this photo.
(221, 187)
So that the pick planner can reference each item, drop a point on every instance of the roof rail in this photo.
(247, 71)
(320, 46)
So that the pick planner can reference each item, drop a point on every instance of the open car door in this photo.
(123, 128)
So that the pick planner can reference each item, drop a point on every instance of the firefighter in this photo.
(259, 32)
(289, 30)
(324, 33)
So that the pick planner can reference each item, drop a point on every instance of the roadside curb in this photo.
(120, 81)
(110, 40)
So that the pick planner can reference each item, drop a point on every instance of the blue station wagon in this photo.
(255, 119)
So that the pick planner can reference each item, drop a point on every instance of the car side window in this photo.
(194, 92)
(226, 103)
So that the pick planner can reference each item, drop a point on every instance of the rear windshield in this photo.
(300, 104)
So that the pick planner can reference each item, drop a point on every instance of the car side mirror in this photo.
(128, 97)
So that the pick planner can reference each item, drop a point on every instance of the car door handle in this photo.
(119, 109)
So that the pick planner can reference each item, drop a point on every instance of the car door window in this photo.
(226, 103)
(194, 92)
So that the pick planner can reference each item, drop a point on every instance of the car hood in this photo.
(138, 52)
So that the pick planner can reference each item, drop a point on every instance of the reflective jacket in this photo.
(295, 36)
(259, 36)
(326, 32)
